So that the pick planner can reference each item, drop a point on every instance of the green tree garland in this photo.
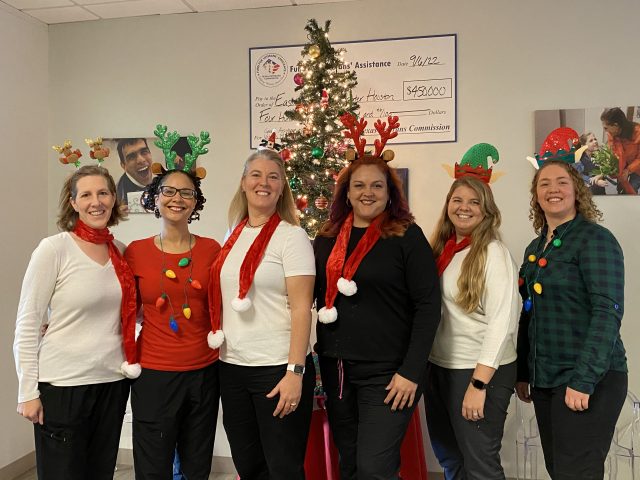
(317, 148)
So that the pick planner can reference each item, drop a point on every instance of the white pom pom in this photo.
(347, 287)
(327, 315)
(215, 339)
(131, 370)
(241, 304)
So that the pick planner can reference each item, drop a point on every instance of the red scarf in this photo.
(340, 273)
(130, 368)
(247, 271)
(449, 250)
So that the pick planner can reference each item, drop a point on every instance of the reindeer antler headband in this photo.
(167, 140)
(355, 129)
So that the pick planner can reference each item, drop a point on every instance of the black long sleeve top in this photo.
(394, 314)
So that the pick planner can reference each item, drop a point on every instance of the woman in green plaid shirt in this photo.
(571, 360)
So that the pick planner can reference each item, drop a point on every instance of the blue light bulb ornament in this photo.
(173, 324)
(527, 305)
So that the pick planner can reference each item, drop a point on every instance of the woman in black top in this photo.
(378, 297)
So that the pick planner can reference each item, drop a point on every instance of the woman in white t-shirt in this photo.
(78, 289)
(472, 369)
(260, 294)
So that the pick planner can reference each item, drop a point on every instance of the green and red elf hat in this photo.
(560, 144)
(478, 162)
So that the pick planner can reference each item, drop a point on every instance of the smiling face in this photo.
(556, 194)
(592, 143)
(464, 210)
(136, 161)
(263, 184)
(368, 194)
(93, 201)
(176, 209)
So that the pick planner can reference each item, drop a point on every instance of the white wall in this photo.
(24, 180)
(121, 77)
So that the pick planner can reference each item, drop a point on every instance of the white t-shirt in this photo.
(80, 300)
(488, 334)
(261, 335)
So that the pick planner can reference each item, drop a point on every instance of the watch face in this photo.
(479, 384)
(299, 369)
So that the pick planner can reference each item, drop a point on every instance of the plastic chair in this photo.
(623, 461)
(528, 447)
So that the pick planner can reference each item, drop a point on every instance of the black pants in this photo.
(265, 447)
(575, 444)
(467, 450)
(174, 409)
(81, 432)
(367, 433)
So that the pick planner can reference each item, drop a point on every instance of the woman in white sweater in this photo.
(472, 369)
(77, 297)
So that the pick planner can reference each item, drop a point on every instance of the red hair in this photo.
(397, 218)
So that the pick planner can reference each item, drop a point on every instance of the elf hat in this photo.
(478, 162)
(560, 144)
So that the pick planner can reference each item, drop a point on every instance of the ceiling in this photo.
(64, 11)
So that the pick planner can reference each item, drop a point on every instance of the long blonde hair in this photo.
(471, 281)
(286, 208)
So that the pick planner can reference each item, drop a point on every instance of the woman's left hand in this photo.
(575, 400)
(290, 390)
(402, 391)
(473, 403)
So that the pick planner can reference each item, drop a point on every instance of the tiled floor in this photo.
(125, 472)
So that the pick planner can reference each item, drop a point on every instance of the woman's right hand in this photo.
(522, 390)
(32, 410)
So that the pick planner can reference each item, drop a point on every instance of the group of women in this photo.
(397, 320)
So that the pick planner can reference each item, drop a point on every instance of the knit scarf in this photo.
(340, 272)
(247, 271)
(449, 250)
(130, 368)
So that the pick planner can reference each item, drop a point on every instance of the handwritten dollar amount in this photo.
(427, 89)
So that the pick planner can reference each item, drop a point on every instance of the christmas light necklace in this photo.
(540, 262)
(169, 273)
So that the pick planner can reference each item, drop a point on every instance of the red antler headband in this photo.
(355, 129)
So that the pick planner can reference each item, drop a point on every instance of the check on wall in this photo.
(414, 78)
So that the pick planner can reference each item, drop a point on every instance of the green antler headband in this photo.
(167, 141)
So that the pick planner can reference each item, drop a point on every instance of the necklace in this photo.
(168, 273)
(539, 262)
(259, 225)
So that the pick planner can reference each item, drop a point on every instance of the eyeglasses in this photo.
(185, 193)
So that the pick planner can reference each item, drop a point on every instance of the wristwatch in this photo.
(295, 368)
(479, 384)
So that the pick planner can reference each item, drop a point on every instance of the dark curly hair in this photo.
(153, 189)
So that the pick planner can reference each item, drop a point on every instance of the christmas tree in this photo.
(315, 151)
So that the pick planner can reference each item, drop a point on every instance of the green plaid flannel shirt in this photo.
(571, 335)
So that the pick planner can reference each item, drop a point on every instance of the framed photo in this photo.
(609, 142)
(130, 163)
